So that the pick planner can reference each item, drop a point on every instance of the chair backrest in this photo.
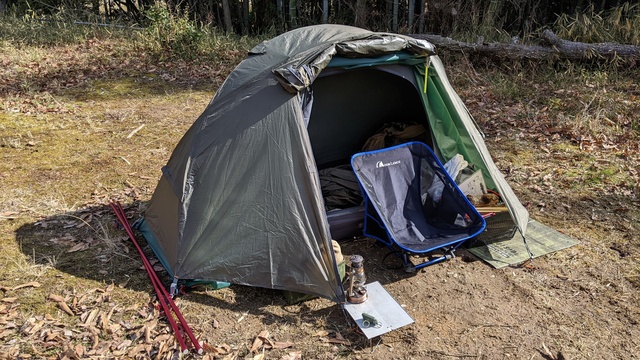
(418, 203)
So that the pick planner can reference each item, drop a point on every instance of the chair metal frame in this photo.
(376, 228)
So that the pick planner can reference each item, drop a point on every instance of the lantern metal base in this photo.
(358, 298)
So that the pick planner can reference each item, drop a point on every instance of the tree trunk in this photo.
(325, 11)
(412, 6)
(559, 49)
(572, 49)
(394, 26)
(107, 8)
(95, 6)
(293, 16)
(245, 17)
(361, 13)
(132, 10)
(281, 14)
(228, 26)
(423, 14)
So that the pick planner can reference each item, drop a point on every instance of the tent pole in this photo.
(526, 244)
(165, 300)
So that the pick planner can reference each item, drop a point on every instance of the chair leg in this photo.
(408, 265)
(410, 268)
(448, 254)
(432, 261)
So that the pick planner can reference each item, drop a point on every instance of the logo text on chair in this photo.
(380, 164)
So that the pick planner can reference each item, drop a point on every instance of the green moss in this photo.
(143, 86)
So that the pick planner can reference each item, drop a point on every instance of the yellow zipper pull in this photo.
(426, 73)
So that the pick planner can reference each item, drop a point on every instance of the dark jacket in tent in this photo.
(240, 198)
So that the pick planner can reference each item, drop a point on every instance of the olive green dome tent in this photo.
(240, 198)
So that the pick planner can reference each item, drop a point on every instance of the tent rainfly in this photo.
(240, 199)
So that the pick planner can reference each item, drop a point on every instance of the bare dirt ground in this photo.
(76, 132)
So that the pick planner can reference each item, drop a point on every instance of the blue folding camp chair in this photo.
(412, 205)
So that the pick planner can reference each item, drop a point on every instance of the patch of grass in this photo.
(600, 111)
(620, 24)
(172, 32)
(518, 88)
(29, 265)
(486, 23)
(56, 30)
(170, 35)
(30, 63)
(599, 174)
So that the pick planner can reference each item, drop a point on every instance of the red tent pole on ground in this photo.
(165, 299)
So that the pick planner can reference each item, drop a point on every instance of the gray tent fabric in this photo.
(240, 198)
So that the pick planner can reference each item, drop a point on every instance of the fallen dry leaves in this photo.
(62, 304)
(34, 284)
(217, 351)
(98, 328)
(262, 342)
(29, 82)
(337, 338)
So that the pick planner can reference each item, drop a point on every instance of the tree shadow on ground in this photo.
(90, 244)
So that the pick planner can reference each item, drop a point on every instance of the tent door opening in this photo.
(349, 107)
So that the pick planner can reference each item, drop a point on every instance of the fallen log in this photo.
(586, 50)
(552, 48)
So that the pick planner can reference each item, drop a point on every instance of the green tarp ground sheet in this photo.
(542, 240)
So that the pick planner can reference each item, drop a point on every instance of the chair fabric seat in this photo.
(411, 201)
